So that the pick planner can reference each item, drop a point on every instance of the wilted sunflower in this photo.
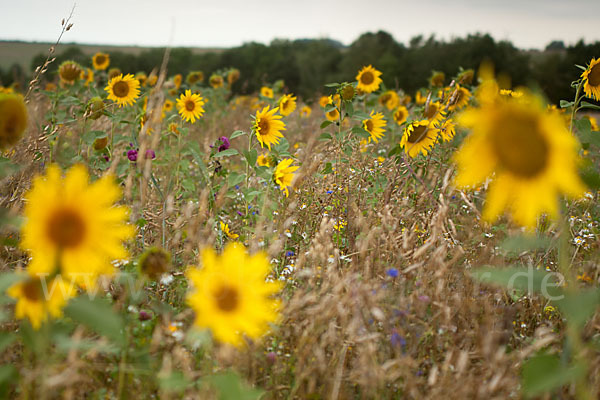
(87, 76)
(389, 99)
(216, 81)
(123, 89)
(39, 297)
(459, 98)
(231, 296)
(190, 106)
(13, 119)
(529, 152)
(400, 115)
(305, 111)
(433, 111)
(227, 232)
(591, 79)
(368, 79)
(266, 92)
(287, 104)
(69, 72)
(73, 228)
(437, 78)
(375, 126)
(284, 174)
(418, 138)
(114, 72)
(194, 77)
(232, 76)
(101, 61)
(268, 127)
(447, 130)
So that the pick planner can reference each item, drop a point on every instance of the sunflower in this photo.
(332, 115)
(406, 100)
(231, 296)
(152, 79)
(173, 128)
(72, 227)
(368, 79)
(87, 75)
(375, 126)
(389, 99)
(287, 104)
(437, 78)
(466, 77)
(168, 105)
(69, 72)
(591, 79)
(284, 174)
(39, 297)
(216, 81)
(232, 76)
(227, 232)
(419, 98)
(527, 149)
(194, 77)
(325, 100)
(433, 111)
(305, 111)
(154, 263)
(400, 115)
(459, 98)
(100, 61)
(190, 106)
(177, 79)
(266, 92)
(142, 78)
(263, 160)
(123, 89)
(114, 72)
(268, 127)
(13, 119)
(418, 138)
(447, 130)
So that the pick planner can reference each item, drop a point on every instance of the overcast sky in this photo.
(227, 23)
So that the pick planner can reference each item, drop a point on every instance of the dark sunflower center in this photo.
(32, 290)
(66, 228)
(333, 113)
(399, 115)
(520, 146)
(367, 78)
(190, 105)
(419, 133)
(11, 125)
(70, 73)
(155, 264)
(431, 111)
(263, 127)
(285, 104)
(594, 75)
(385, 98)
(369, 125)
(100, 60)
(227, 298)
(121, 89)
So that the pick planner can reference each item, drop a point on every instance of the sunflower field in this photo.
(163, 237)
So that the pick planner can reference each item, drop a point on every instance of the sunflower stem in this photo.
(575, 103)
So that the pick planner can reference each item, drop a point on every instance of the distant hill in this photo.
(17, 52)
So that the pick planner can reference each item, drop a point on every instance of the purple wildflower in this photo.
(132, 155)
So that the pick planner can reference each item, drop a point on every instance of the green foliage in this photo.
(99, 316)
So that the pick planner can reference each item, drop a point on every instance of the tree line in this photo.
(306, 65)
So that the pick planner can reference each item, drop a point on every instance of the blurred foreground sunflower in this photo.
(13, 119)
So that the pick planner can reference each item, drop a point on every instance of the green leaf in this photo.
(360, 116)
(526, 279)
(90, 136)
(589, 174)
(328, 169)
(200, 163)
(581, 67)
(226, 153)
(565, 103)
(329, 108)
(231, 387)
(325, 136)
(235, 179)
(97, 315)
(251, 156)
(7, 167)
(325, 124)
(236, 134)
(334, 84)
(360, 131)
(349, 108)
(579, 306)
(6, 339)
(520, 243)
(585, 104)
(545, 372)
(282, 146)
(8, 279)
(8, 375)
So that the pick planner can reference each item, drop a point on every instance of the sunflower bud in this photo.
(348, 92)
(100, 143)
(95, 107)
